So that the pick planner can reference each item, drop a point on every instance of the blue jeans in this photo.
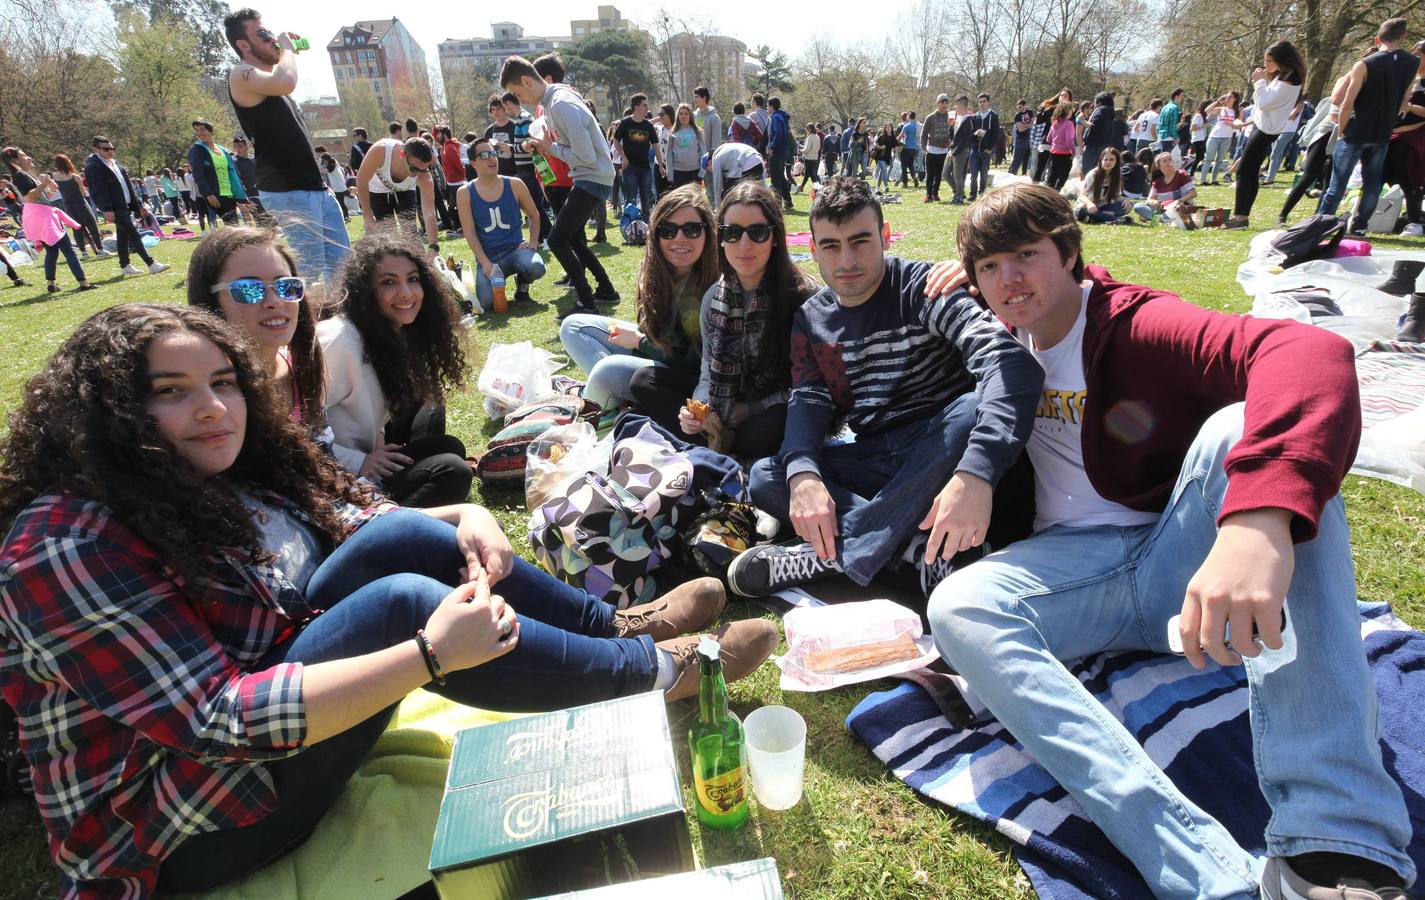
(639, 182)
(1279, 150)
(313, 225)
(522, 263)
(1108, 212)
(1004, 623)
(377, 589)
(979, 169)
(1215, 158)
(1343, 160)
(610, 367)
(883, 175)
(882, 484)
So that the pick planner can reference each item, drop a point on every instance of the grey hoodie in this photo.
(581, 144)
(685, 148)
(712, 128)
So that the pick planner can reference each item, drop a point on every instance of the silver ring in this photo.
(506, 626)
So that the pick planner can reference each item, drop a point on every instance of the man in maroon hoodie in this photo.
(1189, 463)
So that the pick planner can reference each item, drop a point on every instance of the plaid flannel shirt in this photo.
(142, 712)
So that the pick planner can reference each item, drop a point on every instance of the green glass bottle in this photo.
(718, 751)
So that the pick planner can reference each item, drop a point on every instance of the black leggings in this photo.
(661, 392)
(10, 269)
(1259, 145)
(1059, 167)
(810, 173)
(908, 166)
(88, 230)
(1313, 169)
(439, 476)
(934, 168)
(566, 241)
(1041, 166)
(1199, 150)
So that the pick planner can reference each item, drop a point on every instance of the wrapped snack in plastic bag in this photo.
(557, 456)
(847, 643)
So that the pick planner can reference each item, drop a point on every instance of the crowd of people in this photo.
(186, 488)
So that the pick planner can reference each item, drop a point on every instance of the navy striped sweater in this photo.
(900, 358)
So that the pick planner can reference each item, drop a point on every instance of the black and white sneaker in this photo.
(933, 573)
(769, 568)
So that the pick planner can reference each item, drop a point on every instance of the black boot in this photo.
(1402, 278)
(1412, 329)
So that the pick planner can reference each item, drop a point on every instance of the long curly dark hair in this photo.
(656, 277)
(204, 267)
(84, 427)
(426, 358)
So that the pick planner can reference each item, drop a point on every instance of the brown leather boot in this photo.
(688, 607)
(743, 646)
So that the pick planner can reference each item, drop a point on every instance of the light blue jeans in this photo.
(1343, 162)
(1279, 149)
(609, 366)
(638, 183)
(521, 263)
(1216, 158)
(314, 227)
(1004, 623)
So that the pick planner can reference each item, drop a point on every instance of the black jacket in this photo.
(105, 190)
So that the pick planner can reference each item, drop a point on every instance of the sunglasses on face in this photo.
(105, 149)
(250, 291)
(691, 230)
(266, 35)
(760, 233)
(487, 154)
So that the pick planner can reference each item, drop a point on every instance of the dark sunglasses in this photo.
(266, 35)
(760, 233)
(108, 147)
(487, 154)
(691, 230)
(250, 291)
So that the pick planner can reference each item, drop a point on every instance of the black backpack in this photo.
(1315, 237)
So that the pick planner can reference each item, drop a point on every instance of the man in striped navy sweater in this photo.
(940, 396)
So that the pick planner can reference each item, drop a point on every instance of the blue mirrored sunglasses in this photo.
(252, 290)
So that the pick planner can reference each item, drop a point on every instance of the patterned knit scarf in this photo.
(732, 343)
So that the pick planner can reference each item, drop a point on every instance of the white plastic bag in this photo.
(559, 455)
(463, 289)
(516, 374)
(848, 643)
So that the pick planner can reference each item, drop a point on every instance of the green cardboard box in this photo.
(579, 798)
(756, 879)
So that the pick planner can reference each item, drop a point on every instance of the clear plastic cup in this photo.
(776, 752)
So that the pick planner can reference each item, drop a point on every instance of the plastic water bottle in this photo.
(497, 287)
(300, 43)
(546, 172)
(886, 233)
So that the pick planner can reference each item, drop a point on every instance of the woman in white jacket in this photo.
(391, 355)
(1275, 89)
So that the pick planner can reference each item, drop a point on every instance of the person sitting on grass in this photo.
(1173, 189)
(662, 354)
(249, 277)
(939, 395)
(490, 208)
(1101, 195)
(392, 354)
(1137, 174)
(1209, 491)
(187, 715)
(746, 324)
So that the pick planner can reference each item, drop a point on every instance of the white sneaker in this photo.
(158, 267)
(131, 270)
(1413, 230)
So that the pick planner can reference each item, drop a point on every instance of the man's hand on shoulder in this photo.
(959, 516)
(813, 514)
(1242, 583)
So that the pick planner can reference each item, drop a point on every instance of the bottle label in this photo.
(723, 793)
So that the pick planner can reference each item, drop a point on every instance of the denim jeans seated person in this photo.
(520, 267)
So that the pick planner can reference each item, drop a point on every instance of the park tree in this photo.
(614, 60)
(202, 18)
(361, 109)
(773, 74)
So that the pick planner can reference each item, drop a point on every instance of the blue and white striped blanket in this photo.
(1193, 724)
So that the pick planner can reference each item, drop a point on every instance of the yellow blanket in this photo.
(375, 842)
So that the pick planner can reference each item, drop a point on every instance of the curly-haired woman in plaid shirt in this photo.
(205, 624)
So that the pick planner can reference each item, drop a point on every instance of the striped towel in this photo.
(1392, 378)
(1193, 724)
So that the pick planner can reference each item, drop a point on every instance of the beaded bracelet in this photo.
(428, 654)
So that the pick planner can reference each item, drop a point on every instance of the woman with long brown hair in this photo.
(678, 265)
(1276, 85)
(746, 324)
(187, 715)
(75, 196)
(249, 277)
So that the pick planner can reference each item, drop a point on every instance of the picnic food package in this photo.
(848, 643)
(756, 879)
(580, 798)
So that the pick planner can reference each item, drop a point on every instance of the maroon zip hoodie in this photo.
(1157, 367)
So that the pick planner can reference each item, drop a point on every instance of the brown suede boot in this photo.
(743, 646)
(691, 606)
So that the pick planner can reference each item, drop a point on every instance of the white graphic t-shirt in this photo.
(1062, 492)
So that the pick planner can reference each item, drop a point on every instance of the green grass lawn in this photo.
(858, 832)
